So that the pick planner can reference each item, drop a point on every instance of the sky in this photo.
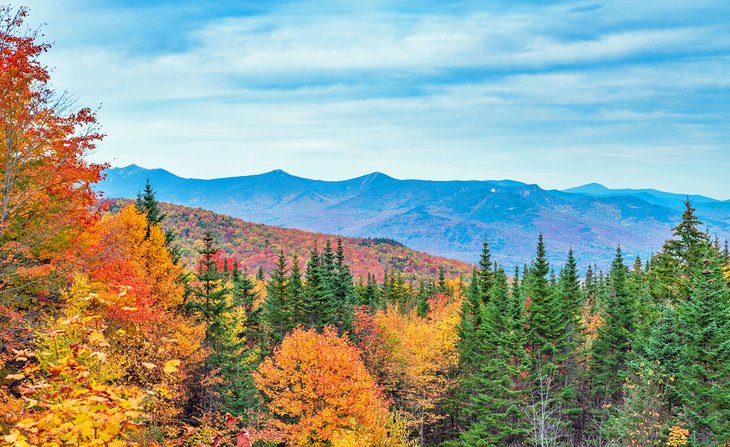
(624, 93)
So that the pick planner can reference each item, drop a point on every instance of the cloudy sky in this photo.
(625, 93)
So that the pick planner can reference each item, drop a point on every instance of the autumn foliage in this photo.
(318, 389)
(45, 182)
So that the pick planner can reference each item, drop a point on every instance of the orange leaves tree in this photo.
(413, 356)
(319, 391)
(45, 182)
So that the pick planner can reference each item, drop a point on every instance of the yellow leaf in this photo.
(15, 376)
(98, 338)
(149, 365)
(171, 366)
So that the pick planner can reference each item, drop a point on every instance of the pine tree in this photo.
(320, 307)
(422, 296)
(571, 356)
(546, 335)
(548, 394)
(612, 349)
(441, 285)
(343, 290)
(704, 372)
(485, 273)
(147, 204)
(493, 405)
(245, 296)
(210, 296)
(671, 268)
(296, 294)
(277, 309)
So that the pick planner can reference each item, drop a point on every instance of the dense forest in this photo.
(108, 339)
(256, 246)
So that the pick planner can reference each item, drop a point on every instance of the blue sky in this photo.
(625, 93)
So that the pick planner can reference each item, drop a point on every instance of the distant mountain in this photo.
(258, 245)
(668, 199)
(446, 218)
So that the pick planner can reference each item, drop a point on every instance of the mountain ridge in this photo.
(445, 218)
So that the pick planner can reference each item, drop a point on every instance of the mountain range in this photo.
(445, 218)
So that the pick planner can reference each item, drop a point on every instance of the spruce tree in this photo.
(612, 349)
(704, 371)
(277, 309)
(548, 395)
(210, 295)
(546, 335)
(485, 272)
(343, 289)
(148, 205)
(296, 294)
(494, 404)
(320, 307)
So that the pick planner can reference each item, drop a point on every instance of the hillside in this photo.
(258, 245)
(446, 218)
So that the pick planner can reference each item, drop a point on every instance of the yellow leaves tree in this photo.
(65, 400)
(318, 390)
(420, 353)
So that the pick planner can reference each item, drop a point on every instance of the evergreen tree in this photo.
(546, 335)
(494, 403)
(442, 286)
(548, 396)
(245, 296)
(571, 305)
(343, 289)
(704, 371)
(671, 269)
(485, 273)
(147, 204)
(320, 307)
(296, 294)
(210, 296)
(424, 293)
(277, 308)
(662, 348)
(612, 349)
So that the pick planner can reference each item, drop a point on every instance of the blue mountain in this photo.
(446, 218)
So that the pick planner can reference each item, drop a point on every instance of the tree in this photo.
(704, 371)
(317, 387)
(320, 306)
(494, 400)
(277, 309)
(612, 350)
(45, 180)
(485, 274)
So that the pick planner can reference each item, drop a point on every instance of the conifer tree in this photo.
(442, 286)
(210, 296)
(343, 289)
(547, 393)
(277, 309)
(546, 335)
(147, 204)
(320, 307)
(485, 272)
(422, 297)
(296, 294)
(245, 296)
(612, 349)
(493, 405)
(704, 371)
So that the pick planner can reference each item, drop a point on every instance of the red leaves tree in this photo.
(45, 182)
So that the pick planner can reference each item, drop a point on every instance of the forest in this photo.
(107, 338)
